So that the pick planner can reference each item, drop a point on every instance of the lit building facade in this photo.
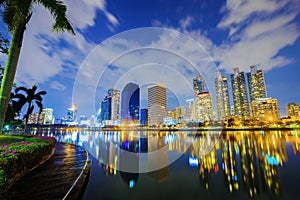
(293, 110)
(265, 109)
(130, 102)
(179, 114)
(199, 85)
(256, 84)
(240, 96)
(144, 117)
(204, 109)
(110, 108)
(48, 116)
(72, 114)
(189, 114)
(157, 104)
(222, 97)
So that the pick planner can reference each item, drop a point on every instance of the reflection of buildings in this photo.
(265, 109)
(157, 104)
(130, 102)
(222, 97)
(256, 84)
(229, 163)
(240, 96)
(158, 158)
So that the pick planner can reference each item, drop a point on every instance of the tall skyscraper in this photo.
(157, 104)
(240, 96)
(190, 110)
(199, 85)
(72, 114)
(110, 107)
(265, 109)
(204, 110)
(144, 117)
(179, 114)
(130, 102)
(222, 97)
(293, 110)
(256, 84)
(48, 116)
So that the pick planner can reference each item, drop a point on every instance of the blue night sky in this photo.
(232, 33)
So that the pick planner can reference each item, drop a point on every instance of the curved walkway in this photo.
(54, 178)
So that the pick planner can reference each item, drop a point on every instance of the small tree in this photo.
(31, 97)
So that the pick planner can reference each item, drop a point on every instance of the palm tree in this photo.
(16, 14)
(30, 98)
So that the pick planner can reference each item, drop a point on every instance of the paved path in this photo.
(53, 179)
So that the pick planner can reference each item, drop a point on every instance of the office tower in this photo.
(222, 97)
(179, 114)
(189, 110)
(115, 104)
(72, 113)
(199, 85)
(157, 104)
(256, 84)
(144, 117)
(130, 102)
(240, 97)
(105, 109)
(203, 107)
(48, 116)
(171, 114)
(293, 110)
(110, 108)
(265, 109)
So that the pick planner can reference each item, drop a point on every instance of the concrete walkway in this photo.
(54, 178)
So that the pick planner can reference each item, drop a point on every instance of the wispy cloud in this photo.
(57, 86)
(46, 54)
(258, 30)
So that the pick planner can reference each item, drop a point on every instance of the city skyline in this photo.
(263, 33)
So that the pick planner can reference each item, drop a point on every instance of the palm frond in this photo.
(58, 10)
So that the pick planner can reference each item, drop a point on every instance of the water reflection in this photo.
(245, 162)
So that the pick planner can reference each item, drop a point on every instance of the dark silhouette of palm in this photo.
(16, 14)
(28, 96)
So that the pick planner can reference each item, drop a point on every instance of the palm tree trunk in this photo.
(10, 69)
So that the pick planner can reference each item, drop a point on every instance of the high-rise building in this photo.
(203, 107)
(48, 116)
(265, 109)
(179, 114)
(130, 102)
(256, 84)
(222, 97)
(157, 104)
(72, 114)
(144, 117)
(110, 108)
(105, 109)
(199, 85)
(240, 96)
(189, 110)
(293, 110)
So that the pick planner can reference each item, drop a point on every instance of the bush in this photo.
(18, 158)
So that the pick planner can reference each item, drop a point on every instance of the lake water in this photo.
(190, 165)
